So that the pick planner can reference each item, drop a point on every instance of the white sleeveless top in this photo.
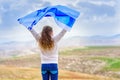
(52, 55)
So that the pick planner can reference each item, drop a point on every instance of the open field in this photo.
(20, 73)
(84, 63)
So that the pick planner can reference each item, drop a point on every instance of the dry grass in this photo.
(74, 59)
(17, 73)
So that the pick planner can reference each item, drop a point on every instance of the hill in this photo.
(91, 61)
(9, 49)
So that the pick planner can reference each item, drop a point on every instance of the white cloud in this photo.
(61, 2)
(118, 16)
(19, 33)
(90, 21)
(109, 3)
(100, 23)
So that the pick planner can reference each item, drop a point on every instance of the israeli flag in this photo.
(64, 16)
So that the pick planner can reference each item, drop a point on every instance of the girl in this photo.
(49, 51)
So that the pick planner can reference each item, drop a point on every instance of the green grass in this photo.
(112, 64)
(86, 50)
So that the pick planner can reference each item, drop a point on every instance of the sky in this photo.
(97, 17)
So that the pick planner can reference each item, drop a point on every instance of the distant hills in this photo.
(96, 40)
(71, 41)
(16, 48)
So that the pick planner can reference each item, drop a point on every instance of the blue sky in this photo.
(98, 17)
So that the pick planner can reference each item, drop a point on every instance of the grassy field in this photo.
(112, 64)
(74, 64)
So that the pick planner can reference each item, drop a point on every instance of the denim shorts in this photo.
(49, 71)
